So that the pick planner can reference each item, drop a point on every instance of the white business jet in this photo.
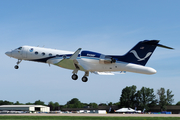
(88, 61)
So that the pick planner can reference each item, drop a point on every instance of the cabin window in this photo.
(19, 48)
(36, 52)
(43, 53)
(50, 54)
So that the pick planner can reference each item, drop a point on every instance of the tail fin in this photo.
(141, 53)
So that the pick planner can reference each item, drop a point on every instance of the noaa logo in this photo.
(140, 59)
(31, 50)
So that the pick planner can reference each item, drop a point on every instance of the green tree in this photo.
(17, 103)
(145, 98)
(56, 106)
(38, 102)
(102, 104)
(6, 102)
(117, 103)
(162, 98)
(51, 105)
(93, 105)
(165, 98)
(127, 98)
(29, 103)
(74, 103)
(169, 97)
(178, 103)
(110, 104)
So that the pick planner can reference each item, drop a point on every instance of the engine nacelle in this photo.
(103, 59)
(106, 59)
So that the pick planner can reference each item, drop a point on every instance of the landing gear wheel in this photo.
(74, 77)
(16, 66)
(84, 79)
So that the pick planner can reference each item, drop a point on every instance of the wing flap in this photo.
(110, 73)
(104, 73)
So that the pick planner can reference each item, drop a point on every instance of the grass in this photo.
(83, 118)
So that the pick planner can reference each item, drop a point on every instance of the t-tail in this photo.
(141, 52)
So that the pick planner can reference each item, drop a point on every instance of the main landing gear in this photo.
(74, 77)
(84, 78)
(18, 62)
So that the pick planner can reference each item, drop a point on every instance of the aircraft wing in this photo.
(71, 63)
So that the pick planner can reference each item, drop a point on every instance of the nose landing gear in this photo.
(18, 62)
(16, 66)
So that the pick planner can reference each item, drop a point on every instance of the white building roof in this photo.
(25, 108)
(22, 106)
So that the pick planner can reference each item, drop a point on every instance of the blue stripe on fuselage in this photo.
(47, 58)
(90, 54)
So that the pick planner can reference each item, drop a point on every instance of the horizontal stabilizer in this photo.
(155, 43)
(159, 45)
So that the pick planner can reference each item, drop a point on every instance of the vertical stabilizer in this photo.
(141, 52)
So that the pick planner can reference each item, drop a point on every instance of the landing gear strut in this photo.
(75, 77)
(84, 78)
(18, 62)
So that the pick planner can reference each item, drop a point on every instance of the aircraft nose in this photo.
(8, 54)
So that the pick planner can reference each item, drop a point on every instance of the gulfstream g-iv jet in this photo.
(88, 61)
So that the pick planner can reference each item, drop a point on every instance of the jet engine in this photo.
(106, 59)
(103, 59)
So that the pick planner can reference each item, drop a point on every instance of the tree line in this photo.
(130, 97)
(145, 98)
(73, 103)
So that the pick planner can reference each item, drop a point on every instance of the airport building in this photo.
(28, 108)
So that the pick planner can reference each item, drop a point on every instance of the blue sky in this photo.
(105, 26)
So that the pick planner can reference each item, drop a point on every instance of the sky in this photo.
(104, 26)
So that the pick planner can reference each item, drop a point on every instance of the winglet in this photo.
(75, 55)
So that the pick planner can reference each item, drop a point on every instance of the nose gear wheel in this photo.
(18, 62)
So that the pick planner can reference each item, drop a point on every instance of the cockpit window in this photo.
(20, 48)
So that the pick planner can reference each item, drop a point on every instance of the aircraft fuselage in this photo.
(91, 62)
(88, 61)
